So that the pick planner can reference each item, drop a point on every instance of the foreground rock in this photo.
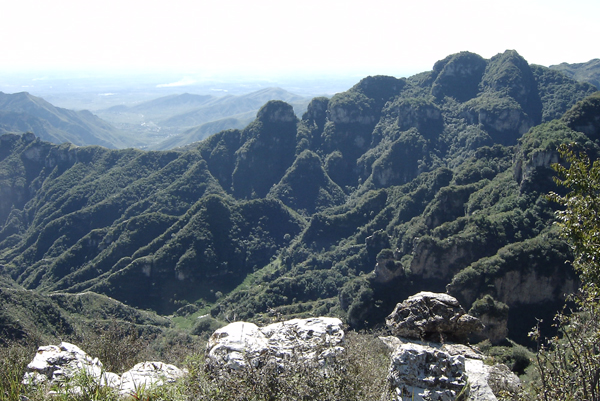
(241, 343)
(432, 316)
(440, 372)
(62, 365)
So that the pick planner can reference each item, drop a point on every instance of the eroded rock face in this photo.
(56, 365)
(441, 372)
(432, 316)
(420, 372)
(241, 343)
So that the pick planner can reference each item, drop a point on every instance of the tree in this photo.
(568, 364)
(579, 221)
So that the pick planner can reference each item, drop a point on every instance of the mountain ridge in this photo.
(55, 124)
(436, 186)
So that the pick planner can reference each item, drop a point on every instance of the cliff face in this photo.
(267, 150)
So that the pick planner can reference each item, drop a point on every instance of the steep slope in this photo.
(22, 112)
(435, 182)
(306, 187)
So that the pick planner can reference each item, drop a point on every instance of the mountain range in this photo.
(190, 118)
(434, 182)
(22, 112)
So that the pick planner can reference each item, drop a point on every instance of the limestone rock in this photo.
(420, 372)
(432, 316)
(148, 374)
(241, 343)
(441, 372)
(56, 365)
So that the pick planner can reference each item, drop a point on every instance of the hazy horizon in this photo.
(265, 39)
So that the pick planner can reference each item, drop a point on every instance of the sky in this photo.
(265, 37)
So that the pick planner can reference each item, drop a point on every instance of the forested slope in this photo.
(435, 182)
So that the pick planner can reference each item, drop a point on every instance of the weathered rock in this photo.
(241, 343)
(441, 372)
(432, 316)
(56, 365)
(148, 374)
(420, 372)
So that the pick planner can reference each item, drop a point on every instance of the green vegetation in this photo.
(446, 171)
(579, 222)
(567, 365)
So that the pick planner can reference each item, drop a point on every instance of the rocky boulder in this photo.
(239, 344)
(443, 372)
(147, 375)
(60, 365)
(432, 316)
(424, 373)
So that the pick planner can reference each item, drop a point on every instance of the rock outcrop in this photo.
(59, 365)
(422, 372)
(432, 316)
(239, 344)
(433, 371)
(418, 371)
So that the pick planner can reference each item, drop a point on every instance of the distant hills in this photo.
(433, 182)
(22, 112)
(189, 118)
(581, 72)
(163, 123)
(172, 121)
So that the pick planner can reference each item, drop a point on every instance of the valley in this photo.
(270, 206)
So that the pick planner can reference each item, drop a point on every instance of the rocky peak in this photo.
(421, 114)
(509, 73)
(317, 111)
(458, 76)
(380, 88)
(276, 111)
(352, 108)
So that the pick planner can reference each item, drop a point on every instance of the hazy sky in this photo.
(394, 37)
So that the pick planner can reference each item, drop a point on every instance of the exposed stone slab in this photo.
(240, 343)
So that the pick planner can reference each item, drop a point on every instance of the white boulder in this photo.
(432, 371)
(61, 365)
(239, 343)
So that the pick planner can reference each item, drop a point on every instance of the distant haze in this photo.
(264, 38)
